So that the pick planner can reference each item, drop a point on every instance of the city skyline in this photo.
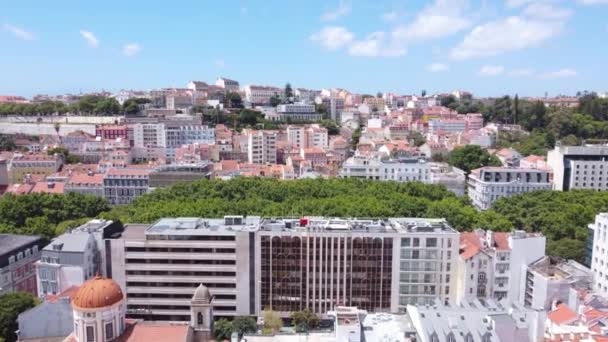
(491, 48)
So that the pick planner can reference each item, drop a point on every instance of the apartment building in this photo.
(86, 183)
(260, 95)
(579, 167)
(149, 135)
(121, 186)
(18, 255)
(400, 170)
(298, 112)
(377, 265)
(599, 254)
(550, 281)
(261, 147)
(306, 95)
(492, 265)
(488, 184)
(159, 266)
(228, 84)
(30, 164)
(74, 257)
(178, 135)
(112, 132)
(474, 121)
(447, 126)
(306, 137)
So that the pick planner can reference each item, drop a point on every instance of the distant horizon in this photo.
(490, 48)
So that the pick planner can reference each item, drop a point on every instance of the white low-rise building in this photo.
(488, 184)
(400, 170)
(260, 95)
(298, 112)
(493, 265)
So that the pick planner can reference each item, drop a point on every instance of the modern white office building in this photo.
(149, 135)
(488, 184)
(579, 167)
(227, 84)
(253, 264)
(159, 266)
(493, 265)
(298, 112)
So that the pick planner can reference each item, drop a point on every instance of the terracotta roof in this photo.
(154, 332)
(562, 315)
(48, 187)
(19, 189)
(84, 178)
(129, 172)
(70, 292)
(501, 241)
(97, 293)
(469, 244)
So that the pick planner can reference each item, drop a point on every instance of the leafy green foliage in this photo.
(7, 143)
(222, 329)
(354, 140)
(275, 100)
(67, 157)
(471, 157)
(11, 305)
(233, 100)
(39, 214)
(244, 324)
(304, 320)
(330, 125)
(537, 143)
(272, 321)
(416, 139)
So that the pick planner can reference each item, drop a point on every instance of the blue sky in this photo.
(489, 47)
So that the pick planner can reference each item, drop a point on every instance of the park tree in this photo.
(222, 329)
(416, 139)
(244, 324)
(304, 320)
(11, 305)
(272, 321)
(471, 157)
(275, 100)
(233, 100)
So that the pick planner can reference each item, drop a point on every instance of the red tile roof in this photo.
(48, 187)
(501, 241)
(129, 172)
(149, 332)
(469, 244)
(562, 315)
(82, 178)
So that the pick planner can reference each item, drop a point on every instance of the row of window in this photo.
(23, 254)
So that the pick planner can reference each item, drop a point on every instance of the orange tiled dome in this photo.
(97, 293)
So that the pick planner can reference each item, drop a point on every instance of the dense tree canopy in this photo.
(11, 305)
(39, 214)
(471, 157)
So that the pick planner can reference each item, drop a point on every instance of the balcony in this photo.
(181, 244)
(174, 301)
(179, 267)
(177, 290)
(181, 279)
(179, 256)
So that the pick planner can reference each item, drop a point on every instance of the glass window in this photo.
(109, 331)
(416, 242)
(431, 242)
(406, 242)
(90, 334)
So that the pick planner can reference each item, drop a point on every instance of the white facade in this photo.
(260, 95)
(400, 170)
(488, 184)
(307, 137)
(493, 265)
(298, 111)
(262, 147)
(447, 126)
(296, 136)
(579, 167)
(228, 84)
(99, 324)
(149, 135)
(599, 256)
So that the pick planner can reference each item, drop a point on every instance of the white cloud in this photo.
(390, 16)
(440, 19)
(343, 9)
(593, 2)
(437, 67)
(131, 49)
(562, 73)
(220, 63)
(333, 37)
(521, 72)
(546, 11)
(512, 33)
(491, 70)
(19, 32)
(90, 38)
(376, 45)
(517, 3)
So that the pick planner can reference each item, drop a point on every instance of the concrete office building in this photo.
(252, 264)
(298, 112)
(74, 257)
(379, 265)
(488, 184)
(493, 265)
(121, 186)
(579, 167)
(159, 266)
(18, 255)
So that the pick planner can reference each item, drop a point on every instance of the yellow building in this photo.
(33, 164)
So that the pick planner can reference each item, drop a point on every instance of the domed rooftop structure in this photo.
(97, 293)
(201, 294)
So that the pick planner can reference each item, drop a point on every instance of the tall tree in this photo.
(288, 93)
(471, 157)
(515, 109)
(11, 305)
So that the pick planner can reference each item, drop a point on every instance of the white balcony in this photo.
(180, 267)
(179, 256)
(181, 279)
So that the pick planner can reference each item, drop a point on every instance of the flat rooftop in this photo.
(204, 226)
